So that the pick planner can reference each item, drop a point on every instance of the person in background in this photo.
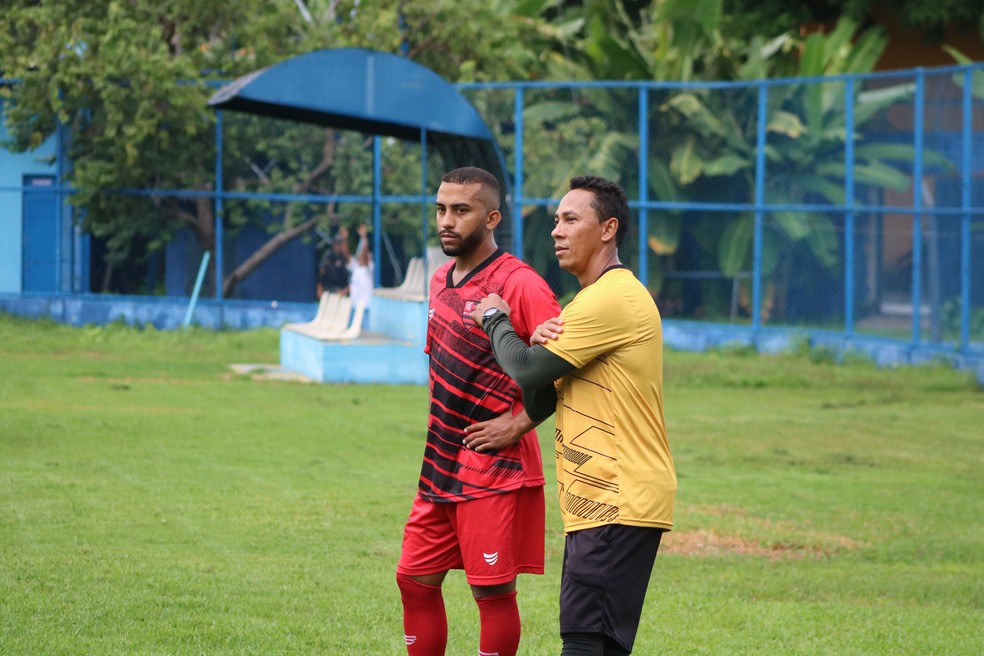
(360, 267)
(333, 272)
(479, 504)
(616, 478)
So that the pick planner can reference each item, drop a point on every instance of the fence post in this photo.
(219, 259)
(759, 213)
(377, 177)
(517, 199)
(849, 202)
(966, 200)
(917, 203)
(423, 204)
(59, 203)
(643, 184)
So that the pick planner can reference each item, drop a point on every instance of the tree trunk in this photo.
(263, 253)
(287, 232)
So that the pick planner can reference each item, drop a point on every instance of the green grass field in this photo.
(154, 502)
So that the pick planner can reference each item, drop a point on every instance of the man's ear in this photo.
(493, 218)
(609, 228)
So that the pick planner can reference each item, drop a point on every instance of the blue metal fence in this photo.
(873, 235)
(852, 204)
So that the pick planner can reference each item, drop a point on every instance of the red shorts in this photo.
(493, 539)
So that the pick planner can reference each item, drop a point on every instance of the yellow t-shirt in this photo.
(613, 459)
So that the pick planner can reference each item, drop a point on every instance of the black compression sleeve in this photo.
(540, 403)
(533, 368)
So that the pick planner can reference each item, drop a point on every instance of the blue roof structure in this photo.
(375, 93)
(357, 89)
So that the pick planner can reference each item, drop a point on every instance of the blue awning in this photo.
(357, 89)
(375, 93)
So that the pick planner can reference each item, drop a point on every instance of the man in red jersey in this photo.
(480, 503)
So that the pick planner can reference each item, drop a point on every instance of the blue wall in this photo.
(13, 168)
(399, 356)
(288, 275)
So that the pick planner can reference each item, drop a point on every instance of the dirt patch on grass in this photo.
(269, 372)
(703, 543)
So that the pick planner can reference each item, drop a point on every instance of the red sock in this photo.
(425, 624)
(499, 615)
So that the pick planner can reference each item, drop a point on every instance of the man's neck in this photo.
(605, 260)
(465, 264)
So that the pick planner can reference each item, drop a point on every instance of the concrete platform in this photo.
(390, 351)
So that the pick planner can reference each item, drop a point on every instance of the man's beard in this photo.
(466, 244)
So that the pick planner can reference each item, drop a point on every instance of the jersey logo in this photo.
(430, 314)
(491, 558)
(466, 313)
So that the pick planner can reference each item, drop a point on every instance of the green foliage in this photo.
(951, 319)
(120, 76)
(935, 19)
(703, 142)
(710, 141)
(126, 79)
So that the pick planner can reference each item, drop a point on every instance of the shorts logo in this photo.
(491, 558)
(487, 653)
(410, 639)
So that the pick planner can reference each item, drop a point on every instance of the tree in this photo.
(702, 146)
(128, 79)
(747, 18)
(121, 76)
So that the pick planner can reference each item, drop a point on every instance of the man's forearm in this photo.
(533, 368)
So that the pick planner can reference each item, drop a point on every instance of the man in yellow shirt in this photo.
(599, 366)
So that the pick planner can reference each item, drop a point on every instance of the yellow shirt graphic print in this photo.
(588, 483)
(613, 458)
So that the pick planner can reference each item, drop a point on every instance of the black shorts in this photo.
(605, 575)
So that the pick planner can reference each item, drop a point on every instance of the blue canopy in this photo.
(372, 92)
(357, 89)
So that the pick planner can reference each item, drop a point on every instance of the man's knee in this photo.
(416, 587)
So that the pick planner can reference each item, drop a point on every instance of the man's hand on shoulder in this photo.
(546, 331)
(487, 303)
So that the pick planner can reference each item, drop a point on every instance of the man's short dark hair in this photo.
(467, 175)
(609, 201)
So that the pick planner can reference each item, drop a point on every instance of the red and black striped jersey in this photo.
(468, 386)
